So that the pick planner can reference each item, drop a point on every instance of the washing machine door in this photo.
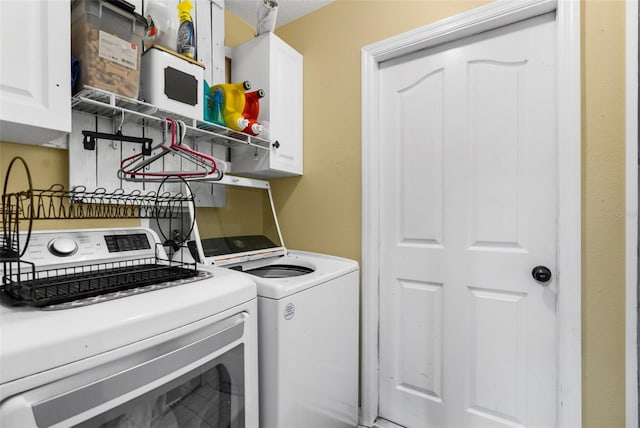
(280, 271)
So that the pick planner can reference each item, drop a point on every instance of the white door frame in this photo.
(493, 15)
(631, 216)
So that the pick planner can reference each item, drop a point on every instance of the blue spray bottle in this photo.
(186, 33)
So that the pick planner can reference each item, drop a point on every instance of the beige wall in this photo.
(321, 210)
(47, 166)
(603, 212)
(328, 196)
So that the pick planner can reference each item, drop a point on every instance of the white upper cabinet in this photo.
(272, 65)
(35, 76)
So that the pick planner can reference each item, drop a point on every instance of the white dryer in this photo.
(308, 327)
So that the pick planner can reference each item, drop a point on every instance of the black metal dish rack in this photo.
(29, 286)
(24, 284)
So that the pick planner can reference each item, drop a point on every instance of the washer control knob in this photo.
(63, 247)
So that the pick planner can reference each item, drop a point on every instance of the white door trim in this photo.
(493, 15)
(631, 216)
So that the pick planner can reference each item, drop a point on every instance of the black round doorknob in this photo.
(541, 274)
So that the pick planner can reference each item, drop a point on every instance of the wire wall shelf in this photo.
(106, 104)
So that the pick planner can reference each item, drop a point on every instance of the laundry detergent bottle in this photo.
(186, 42)
(234, 102)
(252, 110)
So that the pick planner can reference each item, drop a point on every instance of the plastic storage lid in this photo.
(161, 48)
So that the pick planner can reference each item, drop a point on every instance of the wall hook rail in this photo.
(90, 137)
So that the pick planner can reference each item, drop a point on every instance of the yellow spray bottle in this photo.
(234, 102)
(186, 43)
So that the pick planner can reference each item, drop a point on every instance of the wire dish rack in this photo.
(55, 203)
(24, 283)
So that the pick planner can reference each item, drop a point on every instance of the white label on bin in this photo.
(118, 50)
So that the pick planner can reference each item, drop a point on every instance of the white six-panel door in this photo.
(468, 209)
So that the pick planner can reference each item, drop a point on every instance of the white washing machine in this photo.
(308, 327)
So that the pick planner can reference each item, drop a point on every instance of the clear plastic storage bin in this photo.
(106, 37)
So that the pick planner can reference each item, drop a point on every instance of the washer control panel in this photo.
(48, 247)
(128, 242)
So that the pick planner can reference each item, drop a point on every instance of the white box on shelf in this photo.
(172, 82)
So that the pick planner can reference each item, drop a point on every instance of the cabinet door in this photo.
(35, 82)
(286, 108)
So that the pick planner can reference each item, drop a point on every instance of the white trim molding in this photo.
(631, 216)
(569, 214)
(491, 16)
(370, 241)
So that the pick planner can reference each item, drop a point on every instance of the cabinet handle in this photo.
(276, 144)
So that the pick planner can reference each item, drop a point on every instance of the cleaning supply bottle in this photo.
(252, 110)
(234, 102)
(186, 43)
(207, 101)
(217, 107)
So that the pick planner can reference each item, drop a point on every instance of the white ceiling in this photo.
(288, 10)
